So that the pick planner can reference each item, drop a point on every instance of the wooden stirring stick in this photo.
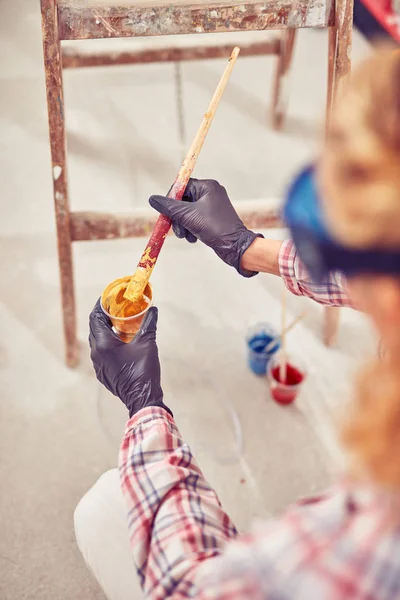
(283, 361)
(276, 339)
(140, 278)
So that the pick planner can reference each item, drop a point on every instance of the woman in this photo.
(345, 543)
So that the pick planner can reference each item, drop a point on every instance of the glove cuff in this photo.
(158, 403)
(162, 405)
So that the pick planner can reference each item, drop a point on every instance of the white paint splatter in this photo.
(59, 196)
(141, 28)
(199, 29)
(214, 14)
(97, 21)
(316, 16)
(57, 170)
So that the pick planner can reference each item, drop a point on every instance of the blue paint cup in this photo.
(258, 339)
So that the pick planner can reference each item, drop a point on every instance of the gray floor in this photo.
(58, 430)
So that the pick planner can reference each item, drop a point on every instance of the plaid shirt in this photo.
(331, 292)
(335, 546)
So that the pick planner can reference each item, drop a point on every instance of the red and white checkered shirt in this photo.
(339, 545)
(332, 291)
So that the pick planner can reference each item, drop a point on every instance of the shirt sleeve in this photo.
(333, 547)
(337, 545)
(175, 519)
(331, 291)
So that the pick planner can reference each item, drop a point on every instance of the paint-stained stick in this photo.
(140, 278)
(282, 358)
(277, 339)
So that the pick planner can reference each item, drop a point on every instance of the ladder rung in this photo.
(75, 59)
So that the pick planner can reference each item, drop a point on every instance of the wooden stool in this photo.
(90, 19)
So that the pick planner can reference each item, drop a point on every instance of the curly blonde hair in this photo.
(362, 190)
(363, 152)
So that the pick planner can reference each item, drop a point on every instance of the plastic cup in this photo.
(125, 327)
(258, 339)
(286, 392)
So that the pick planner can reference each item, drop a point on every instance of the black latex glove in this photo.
(130, 371)
(207, 214)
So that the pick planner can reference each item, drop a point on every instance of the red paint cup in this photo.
(286, 392)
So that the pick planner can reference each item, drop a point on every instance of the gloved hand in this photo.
(206, 213)
(130, 371)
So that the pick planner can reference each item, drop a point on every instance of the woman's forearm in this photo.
(262, 256)
(175, 520)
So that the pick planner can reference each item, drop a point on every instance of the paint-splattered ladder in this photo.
(90, 19)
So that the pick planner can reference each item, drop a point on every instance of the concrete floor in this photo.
(58, 429)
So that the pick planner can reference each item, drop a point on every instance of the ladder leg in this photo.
(339, 55)
(339, 65)
(331, 325)
(55, 106)
(180, 108)
(280, 91)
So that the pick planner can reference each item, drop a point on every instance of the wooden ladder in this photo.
(90, 19)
